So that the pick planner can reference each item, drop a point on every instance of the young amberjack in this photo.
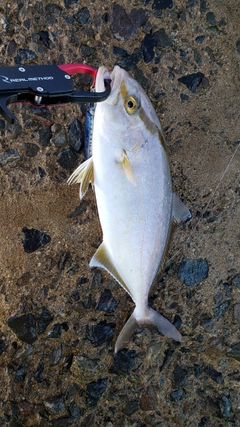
(130, 172)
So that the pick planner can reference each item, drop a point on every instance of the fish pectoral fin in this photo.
(102, 259)
(127, 167)
(180, 212)
(151, 319)
(84, 175)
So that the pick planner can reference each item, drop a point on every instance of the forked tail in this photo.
(151, 320)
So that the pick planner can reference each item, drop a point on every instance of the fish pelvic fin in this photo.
(102, 259)
(84, 175)
(127, 167)
(151, 320)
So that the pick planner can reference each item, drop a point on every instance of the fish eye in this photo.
(131, 104)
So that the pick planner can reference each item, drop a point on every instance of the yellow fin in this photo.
(102, 259)
(84, 175)
(128, 168)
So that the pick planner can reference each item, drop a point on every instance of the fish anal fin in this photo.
(84, 175)
(102, 259)
(152, 320)
(180, 212)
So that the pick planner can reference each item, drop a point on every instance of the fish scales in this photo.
(131, 175)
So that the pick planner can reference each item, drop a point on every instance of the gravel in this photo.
(59, 319)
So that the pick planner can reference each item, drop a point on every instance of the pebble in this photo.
(62, 422)
(54, 405)
(203, 5)
(44, 38)
(45, 135)
(53, 9)
(106, 302)
(236, 280)
(123, 362)
(24, 56)
(193, 271)
(83, 16)
(68, 3)
(215, 375)
(38, 374)
(141, 78)
(177, 321)
(43, 320)
(67, 159)
(11, 48)
(184, 97)
(86, 51)
(162, 4)
(100, 334)
(34, 239)
(238, 46)
(192, 81)
(87, 369)
(200, 39)
(149, 400)
(211, 18)
(24, 327)
(2, 346)
(129, 62)
(220, 310)
(8, 156)
(95, 389)
(31, 150)
(131, 407)
(74, 410)
(25, 408)
(235, 351)
(59, 140)
(79, 210)
(96, 279)
(225, 406)
(123, 25)
(147, 48)
(56, 355)
(236, 313)
(21, 373)
(161, 38)
(118, 51)
(176, 395)
(75, 295)
(197, 369)
(179, 376)
(168, 354)
(57, 329)
(75, 135)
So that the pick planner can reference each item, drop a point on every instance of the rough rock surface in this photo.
(59, 320)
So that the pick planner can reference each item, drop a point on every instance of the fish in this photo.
(129, 170)
(88, 129)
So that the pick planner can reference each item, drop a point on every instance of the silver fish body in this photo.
(131, 175)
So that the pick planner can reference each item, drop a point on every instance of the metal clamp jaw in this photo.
(45, 86)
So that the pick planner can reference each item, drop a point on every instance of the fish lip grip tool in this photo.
(45, 86)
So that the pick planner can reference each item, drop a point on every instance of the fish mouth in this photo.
(115, 78)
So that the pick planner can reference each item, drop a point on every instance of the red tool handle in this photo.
(79, 68)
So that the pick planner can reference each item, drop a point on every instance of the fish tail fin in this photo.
(151, 320)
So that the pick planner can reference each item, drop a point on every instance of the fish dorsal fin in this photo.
(127, 167)
(84, 175)
(180, 212)
(102, 259)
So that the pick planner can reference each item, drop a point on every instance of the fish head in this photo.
(127, 112)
